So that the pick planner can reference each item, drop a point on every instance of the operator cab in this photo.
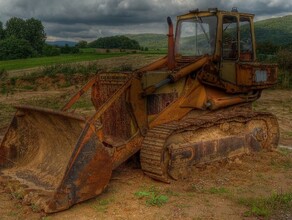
(227, 37)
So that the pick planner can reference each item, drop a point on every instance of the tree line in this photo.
(115, 42)
(21, 38)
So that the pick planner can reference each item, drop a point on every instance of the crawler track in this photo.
(155, 153)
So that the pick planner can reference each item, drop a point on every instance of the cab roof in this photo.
(213, 11)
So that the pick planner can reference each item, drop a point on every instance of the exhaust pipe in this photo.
(170, 55)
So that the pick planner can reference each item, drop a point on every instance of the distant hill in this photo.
(275, 30)
(62, 43)
(121, 42)
(152, 41)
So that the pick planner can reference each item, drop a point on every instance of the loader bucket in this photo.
(53, 159)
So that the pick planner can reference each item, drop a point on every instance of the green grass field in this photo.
(46, 61)
(87, 54)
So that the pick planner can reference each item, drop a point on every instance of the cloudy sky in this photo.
(89, 19)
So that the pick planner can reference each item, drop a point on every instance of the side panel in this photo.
(256, 74)
(118, 124)
(164, 95)
(228, 71)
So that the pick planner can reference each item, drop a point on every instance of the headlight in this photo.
(261, 76)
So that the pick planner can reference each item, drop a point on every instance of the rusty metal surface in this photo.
(138, 106)
(246, 77)
(53, 159)
(246, 74)
(168, 151)
(126, 149)
(27, 108)
(174, 111)
(88, 172)
(160, 63)
(157, 102)
(170, 55)
(191, 67)
(76, 97)
(111, 105)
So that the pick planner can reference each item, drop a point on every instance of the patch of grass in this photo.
(284, 151)
(3, 89)
(169, 192)
(52, 103)
(60, 75)
(28, 87)
(267, 207)
(288, 134)
(198, 188)
(17, 195)
(68, 69)
(84, 103)
(65, 85)
(260, 176)
(218, 190)
(13, 81)
(46, 61)
(102, 205)
(255, 104)
(35, 207)
(282, 163)
(123, 67)
(6, 114)
(3, 74)
(12, 214)
(182, 206)
(153, 196)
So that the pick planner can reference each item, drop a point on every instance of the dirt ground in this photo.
(211, 192)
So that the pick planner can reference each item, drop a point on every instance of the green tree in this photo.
(50, 50)
(35, 34)
(2, 32)
(66, 49)
(284, 59)
(267, 47)
(14, 48)
(81, 44)
(31, 30)
(15, 27)
(117, 42)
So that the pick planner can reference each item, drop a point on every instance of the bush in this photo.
(82, 44)
(69, 50)
(50, 51)
(284, 59)
(3, 74)
(13, 48)
(120, 42)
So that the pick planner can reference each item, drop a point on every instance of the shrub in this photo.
(13, 48)
(284, 59)
(50, 51)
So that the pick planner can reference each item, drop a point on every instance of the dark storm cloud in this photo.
(91, 18)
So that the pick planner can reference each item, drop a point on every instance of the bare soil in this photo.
(211, 192)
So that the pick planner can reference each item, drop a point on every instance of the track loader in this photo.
(193, 106)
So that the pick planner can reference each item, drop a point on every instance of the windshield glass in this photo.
(196, 36)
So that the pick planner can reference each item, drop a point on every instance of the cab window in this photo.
(196, 36)
(246, 49)
(230, 38)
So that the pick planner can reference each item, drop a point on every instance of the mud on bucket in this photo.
(53, 159)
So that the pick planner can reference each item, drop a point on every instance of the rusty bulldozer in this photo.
(190, 107)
